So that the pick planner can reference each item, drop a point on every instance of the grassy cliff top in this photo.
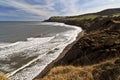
(90, 16)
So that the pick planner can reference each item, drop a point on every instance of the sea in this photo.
(27, 47)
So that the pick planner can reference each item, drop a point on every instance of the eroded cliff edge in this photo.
(95, 56)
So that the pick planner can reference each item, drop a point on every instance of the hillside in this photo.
(86, 20)
(95, 56)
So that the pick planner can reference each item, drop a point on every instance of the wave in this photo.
(25, 59)
(3, 44)
(61, 24)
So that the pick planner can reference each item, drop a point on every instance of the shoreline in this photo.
(69, 38)
(55, 62)
(93, 53)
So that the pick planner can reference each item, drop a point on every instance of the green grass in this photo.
(116, 15)
(86, 17)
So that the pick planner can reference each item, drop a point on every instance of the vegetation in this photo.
(3, 77)
(69, 73)
(107, 70)
(95, 56)
(91, 16)
(62, 19)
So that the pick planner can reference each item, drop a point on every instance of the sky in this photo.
(38, 10)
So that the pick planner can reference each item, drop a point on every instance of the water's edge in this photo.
(55, 62)
(26, 59)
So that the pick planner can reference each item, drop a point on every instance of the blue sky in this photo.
(36, 10)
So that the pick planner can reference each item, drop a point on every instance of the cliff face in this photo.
(88, 23)
(95, 56)
(95, 47)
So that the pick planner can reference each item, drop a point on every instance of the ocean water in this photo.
(16, 31)
(27, 47)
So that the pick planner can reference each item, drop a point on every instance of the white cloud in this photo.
(70, 7)
(37, 10)
(98, 5)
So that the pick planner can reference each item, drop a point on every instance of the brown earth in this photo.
(96, 55)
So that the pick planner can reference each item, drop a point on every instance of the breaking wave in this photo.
(23, 60)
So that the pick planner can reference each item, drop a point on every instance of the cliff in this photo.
(95, 56)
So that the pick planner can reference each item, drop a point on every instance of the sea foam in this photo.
(40, 51)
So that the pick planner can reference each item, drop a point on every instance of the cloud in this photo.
(70, 7)
(98, 5)
(37, 10)
(42, 9)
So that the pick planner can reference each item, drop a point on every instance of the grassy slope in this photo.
(3, 77)
(96, 56)
(107, 70)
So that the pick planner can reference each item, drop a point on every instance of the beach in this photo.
(25, 57)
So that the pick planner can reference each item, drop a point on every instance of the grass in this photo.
(80, 18)
(69, 73)
(86, 17)
(3, 77)
(106, 70)
(116, 15)
(101, 49)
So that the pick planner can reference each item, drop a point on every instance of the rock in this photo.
(117, 62)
